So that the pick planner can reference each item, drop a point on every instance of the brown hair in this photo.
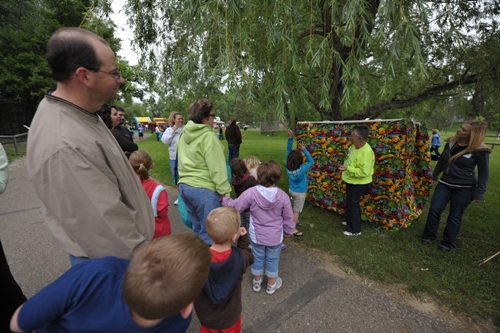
(141, 163)
(222, 224)
(477, 133)
(166, 275)
(294, 160)
(171, 118)
(269, 173)
(70, 49)
(200, 109)
(238, 168)
(435, 131)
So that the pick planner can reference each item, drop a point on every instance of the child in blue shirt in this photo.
(152, 293)
(297, 176)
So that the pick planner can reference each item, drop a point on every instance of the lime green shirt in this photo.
(202, 162)
(359, 164)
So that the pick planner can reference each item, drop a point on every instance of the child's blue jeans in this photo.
(270, 255)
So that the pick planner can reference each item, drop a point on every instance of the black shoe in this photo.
(445, 248)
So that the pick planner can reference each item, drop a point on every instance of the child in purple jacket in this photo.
(271, 214)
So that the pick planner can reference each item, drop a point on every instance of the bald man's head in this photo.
(71, 48)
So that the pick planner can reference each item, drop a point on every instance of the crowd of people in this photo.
(129, 274)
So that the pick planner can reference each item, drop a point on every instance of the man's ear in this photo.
(185, 312)
(83, 75)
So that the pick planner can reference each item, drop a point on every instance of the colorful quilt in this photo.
(403, 170)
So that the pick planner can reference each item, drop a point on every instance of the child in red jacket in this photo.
(141, 163)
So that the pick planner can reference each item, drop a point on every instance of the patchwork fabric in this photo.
(402, 174)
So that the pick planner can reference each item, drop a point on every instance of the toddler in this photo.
(241, 181)
(297, 177)
(141, 163)
(218, 305)
(270, 214)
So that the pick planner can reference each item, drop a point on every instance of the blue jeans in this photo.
(268, 254)
(76, 260)
(234, 151)
(459, 199)
(352, 208)
(172, 169)
(199, 203)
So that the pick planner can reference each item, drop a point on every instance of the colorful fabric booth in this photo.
(403, 170)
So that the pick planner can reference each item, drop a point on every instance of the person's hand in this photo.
(301, 147)
(243, 231)
(342, 168)
(290, 133)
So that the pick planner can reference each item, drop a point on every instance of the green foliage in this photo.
(327, 59)
(25, 29)
(494, 123)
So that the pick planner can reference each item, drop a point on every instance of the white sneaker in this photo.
(344, 223)
(256, 285)
(176, 202)
(271, 289)
(347, 233)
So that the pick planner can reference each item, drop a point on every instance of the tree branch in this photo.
(375, 110)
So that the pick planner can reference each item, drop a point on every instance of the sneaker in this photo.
(256, 285)
(344, 223)
(283, 246)
(347, 233)
(271, 289)
(176, 202)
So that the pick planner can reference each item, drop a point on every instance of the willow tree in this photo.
(341, 58)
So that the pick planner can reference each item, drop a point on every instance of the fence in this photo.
(13, 117)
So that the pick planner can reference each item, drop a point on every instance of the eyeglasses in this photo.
(117, 73)
(212, 115)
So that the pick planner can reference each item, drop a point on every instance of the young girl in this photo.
(141, 163)
(252, 164)
(270, 214)
(241, 181)
(297, 177)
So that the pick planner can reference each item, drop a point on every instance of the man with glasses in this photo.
(92, 201)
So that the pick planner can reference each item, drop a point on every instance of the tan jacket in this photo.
(92, 201)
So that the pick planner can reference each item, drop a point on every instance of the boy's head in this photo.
(223, 224)
(238, 168)
(294, 160)
(166, 275)
(269, 173)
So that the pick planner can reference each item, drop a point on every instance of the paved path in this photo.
(315, 297)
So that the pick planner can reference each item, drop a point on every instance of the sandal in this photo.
(297, 234)
(298, 224)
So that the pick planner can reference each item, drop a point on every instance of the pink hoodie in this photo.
(271, 213)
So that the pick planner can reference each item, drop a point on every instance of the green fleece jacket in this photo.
(202, 162)
(359, 164)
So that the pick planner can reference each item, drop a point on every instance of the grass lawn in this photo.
(11, 151)
(454, 280)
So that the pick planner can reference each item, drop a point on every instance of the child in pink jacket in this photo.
(271, 214)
